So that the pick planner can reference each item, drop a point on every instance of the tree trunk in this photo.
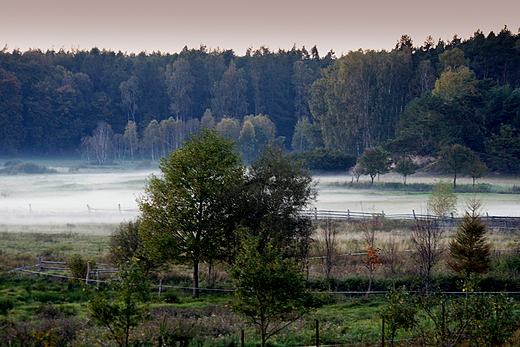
(196, 278)
(263, 328)
(455, 181)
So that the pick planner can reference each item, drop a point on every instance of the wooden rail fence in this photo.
(91, 274)
(491, 221)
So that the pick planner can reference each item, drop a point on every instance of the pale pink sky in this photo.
(169, 25)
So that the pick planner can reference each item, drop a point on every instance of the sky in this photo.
(133, 26)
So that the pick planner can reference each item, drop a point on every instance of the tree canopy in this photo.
(375, 161)
(188, 213)
(269, 289)
(205, 201)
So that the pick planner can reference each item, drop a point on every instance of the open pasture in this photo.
(336, 194)
(70, 198)
(86, 199)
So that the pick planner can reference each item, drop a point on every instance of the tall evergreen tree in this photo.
(470, 250)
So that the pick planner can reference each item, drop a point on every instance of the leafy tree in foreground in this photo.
(122, 305)
(189, 213)
(470, 250)
(276, 190)
(375, 161)
(269, 289)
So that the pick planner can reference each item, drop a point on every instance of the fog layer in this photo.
(86, 198)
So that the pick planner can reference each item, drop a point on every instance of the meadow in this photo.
(80, 196)
(47, 214)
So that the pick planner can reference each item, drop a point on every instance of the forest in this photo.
(412, 100)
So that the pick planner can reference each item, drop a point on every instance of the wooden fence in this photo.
(492, 221)
(92, 274)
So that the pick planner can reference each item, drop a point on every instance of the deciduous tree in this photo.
(455, 158)
(428, 246)
(123, 305)
(375, 161)
(277, 189)
(269, 289)
(406, 167)
(131, 138)
(179, 87)
(188, 213)
(442, 201)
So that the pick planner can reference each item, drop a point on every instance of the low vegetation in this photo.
(37, 309)
(15, 167)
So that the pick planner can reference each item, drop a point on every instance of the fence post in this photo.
(160, 287)
(383, 333)
(242, 338)
(39, 264)
(119, 205)
(317, 333)
(88, 272)
(88, 206)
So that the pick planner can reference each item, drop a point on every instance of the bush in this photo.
(509, 265)
(78, 267)
(171, 297)
(55, 311)
(6, 305)
(26, 168)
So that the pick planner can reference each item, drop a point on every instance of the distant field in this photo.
(91, 197)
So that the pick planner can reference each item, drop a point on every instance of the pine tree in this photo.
(470, 250)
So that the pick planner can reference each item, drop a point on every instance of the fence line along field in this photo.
(97, 196)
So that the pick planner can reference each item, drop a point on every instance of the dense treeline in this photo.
(50, 100)
(410, 100)
(419, 100)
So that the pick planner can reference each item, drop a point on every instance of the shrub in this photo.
(26, 168)
(78, 267)
(55, 311)
(171, 297)
(6, 305)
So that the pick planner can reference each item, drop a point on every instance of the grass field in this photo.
(47, 215)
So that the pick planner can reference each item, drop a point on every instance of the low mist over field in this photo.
(83, 198)
(334, 194)
(66, 197)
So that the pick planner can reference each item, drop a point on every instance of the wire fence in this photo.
(93, 273)
(96, 276)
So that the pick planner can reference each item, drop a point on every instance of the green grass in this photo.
(426, 187)
(27, 246)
